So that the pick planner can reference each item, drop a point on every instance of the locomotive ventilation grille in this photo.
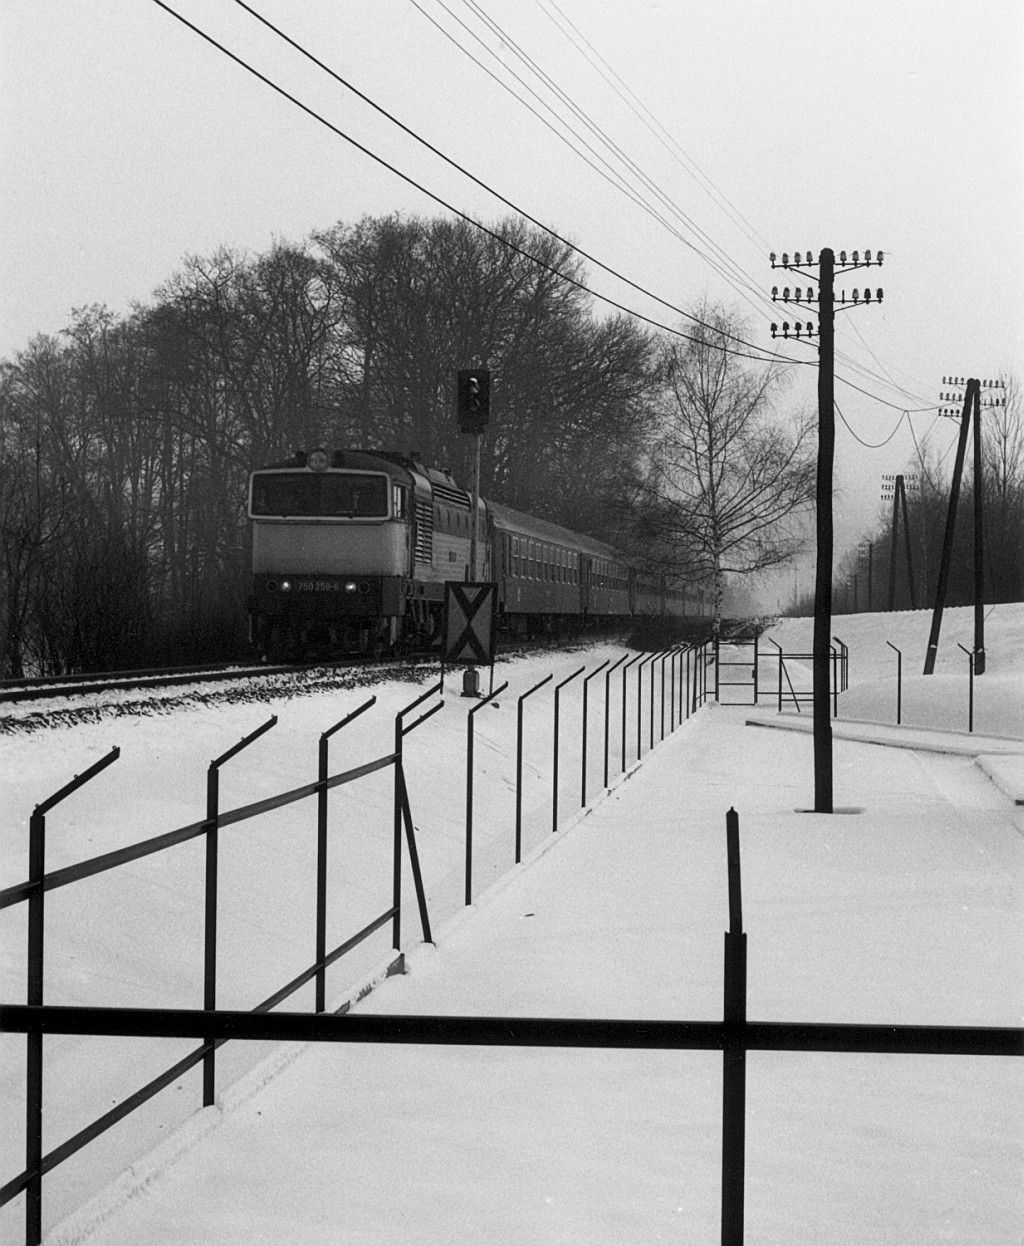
(424, 529)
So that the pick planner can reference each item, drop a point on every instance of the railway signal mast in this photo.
(473, 408)
(826, 303)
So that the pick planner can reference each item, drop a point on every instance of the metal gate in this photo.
(739, 667)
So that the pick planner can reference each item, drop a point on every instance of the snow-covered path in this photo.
(906, 912)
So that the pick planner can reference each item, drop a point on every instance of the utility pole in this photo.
(899, 502)
(826, 309)
(972, 404)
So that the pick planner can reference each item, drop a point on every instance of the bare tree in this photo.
(729, 480)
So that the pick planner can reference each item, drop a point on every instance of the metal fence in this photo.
(734, 1035)
(39, 883)
(682, 693)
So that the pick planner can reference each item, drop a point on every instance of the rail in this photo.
(734, 1036)
(40, 882)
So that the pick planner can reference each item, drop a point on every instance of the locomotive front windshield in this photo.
(321, 495)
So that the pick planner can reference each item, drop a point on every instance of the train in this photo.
(351, 551)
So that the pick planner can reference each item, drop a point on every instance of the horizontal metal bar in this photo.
(516, 1031)
(159, 843)
(78, 781)
(309, 974)
(99, 1126)
(171, 1075)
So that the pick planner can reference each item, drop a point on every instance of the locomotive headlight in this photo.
(319, 460)
(286, 586)
(351, 586)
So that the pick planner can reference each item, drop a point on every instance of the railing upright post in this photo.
(210, 922)
(554, 760)
(688, 681)
(34, 1042)
(970, 686)
(586, 691)
(624, 670)
(899, 682)
(210, 926)
(34, 977)
(396, 841)
(718, 651)
(757, 654)
(734, 1053)
(607, 710)
(321, 851)
(469, 787)
(519, 765)
(320, 1002)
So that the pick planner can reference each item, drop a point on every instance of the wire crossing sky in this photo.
(674, 144)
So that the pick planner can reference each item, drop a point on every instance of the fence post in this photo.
(321, 852)
(210, 924)
(607, 702)
(34, 995)
(519, 765)
(624, 669)
(554, 760)
(835, 680)
(469, 787)
(970, 687)
(586, 690)
(899, 682)
(401, 731)
(734, 1053)
(640, 700)
(688, 647)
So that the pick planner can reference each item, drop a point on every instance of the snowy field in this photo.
(907, 912)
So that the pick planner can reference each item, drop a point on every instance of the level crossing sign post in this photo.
(470, 614)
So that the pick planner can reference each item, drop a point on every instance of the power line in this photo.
(763, 357)
(611, 173)
(870, 445)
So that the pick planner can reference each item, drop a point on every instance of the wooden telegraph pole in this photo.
(826, 308)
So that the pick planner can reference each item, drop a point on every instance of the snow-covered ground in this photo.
(907, 912)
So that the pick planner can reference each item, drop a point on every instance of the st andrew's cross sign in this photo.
(469, 623)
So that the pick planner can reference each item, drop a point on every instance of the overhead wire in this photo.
(647, 118)
(611, 173)
(765, 355)
(761, 354)
(761, 357)
(748, 282)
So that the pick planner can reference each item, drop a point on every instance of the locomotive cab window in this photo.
(322, 495)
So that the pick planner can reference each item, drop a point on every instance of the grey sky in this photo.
(128, 143)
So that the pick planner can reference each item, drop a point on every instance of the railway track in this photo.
(14, 691)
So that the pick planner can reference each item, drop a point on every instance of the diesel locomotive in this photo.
(351, 550)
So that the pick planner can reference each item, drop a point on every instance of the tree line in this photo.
(126, 441)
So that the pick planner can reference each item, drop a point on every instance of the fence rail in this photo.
(734, 1036)
(39, 882)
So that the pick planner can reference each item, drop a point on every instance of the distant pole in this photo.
(947, 541)
(907, 544)
(871, 554)
(979, 542)
(894, 541)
